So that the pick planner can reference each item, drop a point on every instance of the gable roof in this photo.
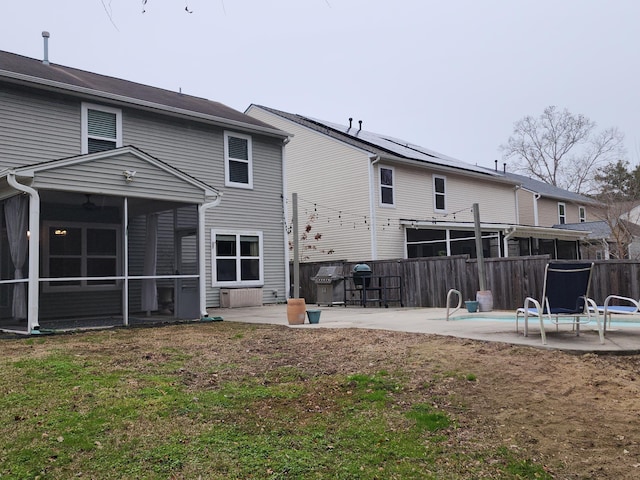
(113, 179)
(24, 70)
(385, 146)
(602, 229)
(549, 191)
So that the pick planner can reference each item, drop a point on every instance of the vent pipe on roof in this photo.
(360, 123)
(45, 36)
(496, 160)
(350, 121)
(504, 167)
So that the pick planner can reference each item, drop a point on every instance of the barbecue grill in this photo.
(328, 281)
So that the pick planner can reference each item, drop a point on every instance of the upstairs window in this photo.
(582, 214)
(562, 215)
(238, 166)
(101, 128)
(386, 187)
(439, 193)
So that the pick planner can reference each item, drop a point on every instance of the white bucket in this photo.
(485, 300)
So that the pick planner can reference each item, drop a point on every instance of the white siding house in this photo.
(377, 197)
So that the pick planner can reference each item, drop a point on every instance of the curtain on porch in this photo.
(15, 213)
(149, 290)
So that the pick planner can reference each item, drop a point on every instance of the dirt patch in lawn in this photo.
(576, 414)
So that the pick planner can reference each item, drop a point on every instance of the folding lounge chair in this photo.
(629, 307)
(564, 299)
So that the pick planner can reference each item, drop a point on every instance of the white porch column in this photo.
(33, 286)
(125, 261)
(202, 264)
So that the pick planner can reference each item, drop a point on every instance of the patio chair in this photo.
(629, 306)
(564, 299)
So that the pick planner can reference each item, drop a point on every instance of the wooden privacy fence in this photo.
(426, 281)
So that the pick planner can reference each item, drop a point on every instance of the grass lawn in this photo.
(234, 401)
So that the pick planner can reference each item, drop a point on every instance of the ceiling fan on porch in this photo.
(89, 205)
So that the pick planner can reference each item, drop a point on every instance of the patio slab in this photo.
(498, 326)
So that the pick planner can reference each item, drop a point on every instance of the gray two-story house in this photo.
(123, 200)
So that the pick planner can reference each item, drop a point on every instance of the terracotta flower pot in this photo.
(296, 310)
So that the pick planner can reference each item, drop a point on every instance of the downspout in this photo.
(536, 197)
(287, 275)
(507, 235)
(202, 280)
(536, 222)
(373, 159)
(515, 190)
(34, 251)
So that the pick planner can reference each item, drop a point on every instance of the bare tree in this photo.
(562, 149)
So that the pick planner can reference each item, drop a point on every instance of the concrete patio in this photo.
(497, 326)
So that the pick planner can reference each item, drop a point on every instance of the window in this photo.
(237, 258)
(237, 160)
(562, 216)
(76, 250)
(439, 199)
(435, 242)
(101, 128)
(582, 214)
(386, 186)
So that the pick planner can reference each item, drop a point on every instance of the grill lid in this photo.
(328, 274)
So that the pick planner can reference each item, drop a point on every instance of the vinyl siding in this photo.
(525, 207)
(105, 177)
(548, 212)
(36, 127)
(241, 209)
(332, 183)
(414, 200)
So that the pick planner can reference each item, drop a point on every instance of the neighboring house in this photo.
(617, 239)
(133, 199)
(540, 204)
(368, 196)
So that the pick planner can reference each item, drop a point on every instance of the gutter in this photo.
(202, 264)
(488, 176)
(34, 251)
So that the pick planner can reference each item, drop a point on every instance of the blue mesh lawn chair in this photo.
(617, 305)
(564, 299)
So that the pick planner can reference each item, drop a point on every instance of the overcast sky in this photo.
(452, 76)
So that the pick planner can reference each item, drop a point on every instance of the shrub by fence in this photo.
(426, 281)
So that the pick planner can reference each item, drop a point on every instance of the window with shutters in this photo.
(238, 160)
(237, 258)
(439, 194)
(101, 128)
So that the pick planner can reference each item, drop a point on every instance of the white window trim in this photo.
(582, 214)
(237, 283)
(227, 180)
(49, 287)
(435, 194)
(85, 124)
(392, 187)
(562, 218)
